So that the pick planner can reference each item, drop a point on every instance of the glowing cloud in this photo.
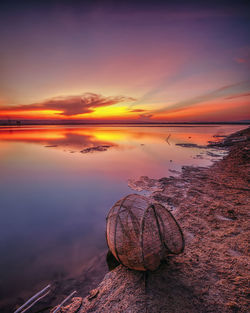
(230, 91)
(70, 106)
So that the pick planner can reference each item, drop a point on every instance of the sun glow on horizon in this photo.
(104, 112)
(157, 65)
(36, 114)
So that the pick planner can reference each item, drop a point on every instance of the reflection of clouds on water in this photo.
(69, 139)
(80, 142)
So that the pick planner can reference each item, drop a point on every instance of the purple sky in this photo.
(172, 62)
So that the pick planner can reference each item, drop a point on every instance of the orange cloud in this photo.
(239, 96)
(229, 90)
(215, 111)
(137, 111)
(64, 106)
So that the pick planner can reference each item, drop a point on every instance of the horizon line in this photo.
(61, 122)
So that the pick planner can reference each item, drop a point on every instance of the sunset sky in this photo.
(141, 61)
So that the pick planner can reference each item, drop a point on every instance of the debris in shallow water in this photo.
(167, 139)
(198, 156)
(58, 308)
(34, 299)
(219, 136)
(215, 155)
(96, 148)
(190, 145)
(174, 172)
(73, 307)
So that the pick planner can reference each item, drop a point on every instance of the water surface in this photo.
(54, 198)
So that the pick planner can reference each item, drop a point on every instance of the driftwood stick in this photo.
(32, 299)
(33, 303)
(64, 301)
(168, 139)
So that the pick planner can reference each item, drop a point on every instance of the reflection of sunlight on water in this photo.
(54, 203)
(132, 152)
(82, 136)
(110, 135)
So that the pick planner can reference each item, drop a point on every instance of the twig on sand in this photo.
(63, 302)
(32, 299)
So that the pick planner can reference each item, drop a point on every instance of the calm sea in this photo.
(54, 198)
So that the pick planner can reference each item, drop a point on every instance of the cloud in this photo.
(145, 116)
(180, 73)
(241, 60)
(247, 94)
(245, 56)
(137, 110)
(71, 105)
(228, 90)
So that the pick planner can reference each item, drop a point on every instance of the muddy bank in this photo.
(211, 275)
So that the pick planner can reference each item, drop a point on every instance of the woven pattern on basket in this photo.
(140, 234)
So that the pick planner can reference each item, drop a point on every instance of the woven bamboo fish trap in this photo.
(141, 234)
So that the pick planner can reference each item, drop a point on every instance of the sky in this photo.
(129, 61)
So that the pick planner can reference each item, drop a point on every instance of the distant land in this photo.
(79, 122)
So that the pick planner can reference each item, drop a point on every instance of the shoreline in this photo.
(210, 205)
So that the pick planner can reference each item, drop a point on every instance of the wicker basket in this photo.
(140, 234)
